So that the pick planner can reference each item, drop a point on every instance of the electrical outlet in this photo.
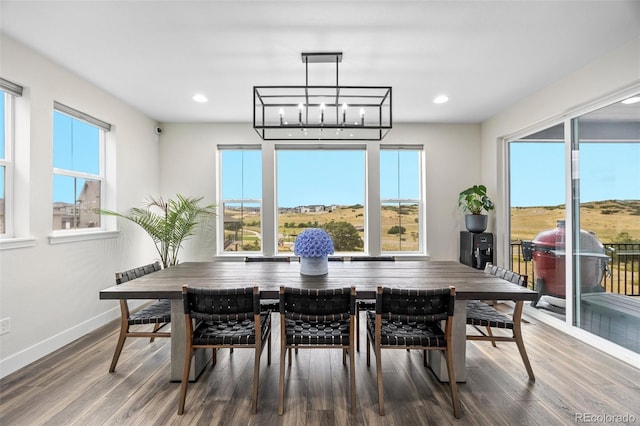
(5, 326)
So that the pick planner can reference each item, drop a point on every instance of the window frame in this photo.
(372, 196)
(8, 164)
(220, 235)
(418, 201)
(102, 128)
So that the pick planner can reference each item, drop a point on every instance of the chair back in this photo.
(373, 258)
(221, 304)
(123, 277)
(428, 305)
(317, 305)
(267, 259)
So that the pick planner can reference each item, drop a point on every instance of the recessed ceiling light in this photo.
(632, 100)
(200, 98)
(440, 99)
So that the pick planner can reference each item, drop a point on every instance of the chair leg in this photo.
(357, 328)
(269, 350)
(490, 334)
(156, 327)
(379, 379)
(289, 357)
(185, 380)
(283, 353)
(124, 329)
(352, 375)
(368, 351)
(256, 378)
(344, 356)
(517, 335)
(453, 386)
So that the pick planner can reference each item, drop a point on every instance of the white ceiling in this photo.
(486, 55)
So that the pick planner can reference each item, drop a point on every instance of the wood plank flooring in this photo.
(72, 386)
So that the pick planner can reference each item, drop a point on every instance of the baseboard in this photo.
(33, 353)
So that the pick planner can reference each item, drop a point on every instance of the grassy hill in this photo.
(608, 219)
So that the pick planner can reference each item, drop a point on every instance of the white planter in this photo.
(314, 265)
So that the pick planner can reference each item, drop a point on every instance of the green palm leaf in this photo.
(168, 222)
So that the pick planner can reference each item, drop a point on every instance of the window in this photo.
(78, 170)
(5, 161)
(241, 199)
(321, 188)
(400, 199)
(8, 91)
(269, 193)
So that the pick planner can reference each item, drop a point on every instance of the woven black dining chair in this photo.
(225, 318)
(317, 319)
(411, 319)
(481, 314)
(157, 314)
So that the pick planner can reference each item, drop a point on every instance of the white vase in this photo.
(314, 265)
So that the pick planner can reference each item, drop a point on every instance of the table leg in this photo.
(178, 346)
(438, 363)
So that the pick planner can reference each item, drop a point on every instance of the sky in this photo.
(320, 176)
(607, 171)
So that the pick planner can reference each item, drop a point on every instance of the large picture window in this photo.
(368, 197)
(78, 153)
(321, 188)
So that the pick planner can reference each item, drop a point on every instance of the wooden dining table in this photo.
(469, 283)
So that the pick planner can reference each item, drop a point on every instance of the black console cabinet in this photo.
(476, 249)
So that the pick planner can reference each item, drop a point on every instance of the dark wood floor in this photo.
(72, 387)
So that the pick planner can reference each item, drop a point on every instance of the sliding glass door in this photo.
(606, 201)
(537, 206)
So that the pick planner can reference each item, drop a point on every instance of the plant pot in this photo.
(314, 265)
(476, 223)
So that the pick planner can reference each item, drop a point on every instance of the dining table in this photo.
(469, 284)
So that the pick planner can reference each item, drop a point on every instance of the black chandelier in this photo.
(355, 113)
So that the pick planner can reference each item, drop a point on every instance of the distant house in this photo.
(316, 208)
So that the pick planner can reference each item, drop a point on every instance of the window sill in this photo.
(65, 238)
(16, 243)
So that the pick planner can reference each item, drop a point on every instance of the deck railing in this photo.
(623, 269)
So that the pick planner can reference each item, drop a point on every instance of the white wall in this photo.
(50, 292)
(452, 153)
(614, 72)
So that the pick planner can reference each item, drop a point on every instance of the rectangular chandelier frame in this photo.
(354, 113)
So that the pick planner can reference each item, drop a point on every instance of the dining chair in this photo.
(481, 314)
(411, 319)
(366, 304)
(225, 318)
(317, 319)
(266, 259)
(158, 313)
(268, 304)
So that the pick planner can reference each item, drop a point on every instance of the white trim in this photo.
(15, 243)
(35, 352)
(38, 351)
(63, 238)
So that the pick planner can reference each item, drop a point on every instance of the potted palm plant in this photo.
(168, 222)
(474, 201)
